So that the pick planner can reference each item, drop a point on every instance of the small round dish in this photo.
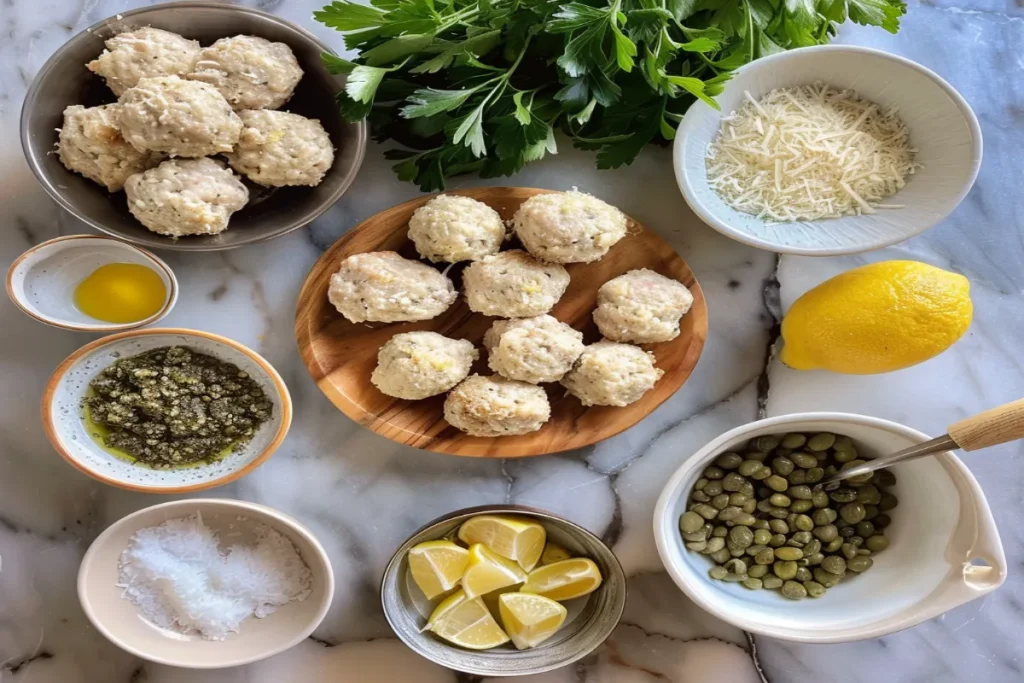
(341, 356)
(42, 281)
(942, 126)
(585, 629)
(67, 431)
(63, 80)
(945, 549)
(120, 621)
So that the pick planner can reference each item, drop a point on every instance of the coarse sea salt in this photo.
(180, 578)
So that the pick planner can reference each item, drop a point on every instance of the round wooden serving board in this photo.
(341, 355)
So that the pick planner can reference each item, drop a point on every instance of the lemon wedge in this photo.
(466, 622)
(564, 580)
(489, 571)
(511, 537)
(553, 553)
(437, 566)
(530, 619)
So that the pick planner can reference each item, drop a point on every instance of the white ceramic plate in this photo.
(942, 128)
(120, 621)
(62, 412)
(42, 281)
(945, 549)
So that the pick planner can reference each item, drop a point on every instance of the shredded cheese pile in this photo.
(808, 153)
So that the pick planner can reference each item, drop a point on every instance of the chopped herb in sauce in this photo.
(174, 406)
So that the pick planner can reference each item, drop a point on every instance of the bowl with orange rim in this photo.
(79, 442)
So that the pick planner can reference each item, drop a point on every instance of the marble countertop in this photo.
(362, 495)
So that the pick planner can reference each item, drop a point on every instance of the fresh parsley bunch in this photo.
(480, 86)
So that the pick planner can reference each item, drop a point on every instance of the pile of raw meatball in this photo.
(178, 105)
(526, 347)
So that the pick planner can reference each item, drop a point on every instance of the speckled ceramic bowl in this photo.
(122, 623)
(589, 623)
(67, 431)
(42, 281)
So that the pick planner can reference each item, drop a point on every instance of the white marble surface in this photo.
(363, 495)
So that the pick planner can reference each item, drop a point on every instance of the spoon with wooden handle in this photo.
(990, 428)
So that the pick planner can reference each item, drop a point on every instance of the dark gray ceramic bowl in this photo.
(588, 625)
(64, 81)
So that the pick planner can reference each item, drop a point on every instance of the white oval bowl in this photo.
(66, 430)
(941, 525)
(122, 623)
(942, 127)
(42, 281)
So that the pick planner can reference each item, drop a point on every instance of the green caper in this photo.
(744, 519)
(860, 478)
(789, 554)
(824, 516)
(713, 488)
(717, 573)
(780, 499)
(771, 582)
(720, 556)
(856, 540)
(759, 456)
(776, 483)
(826, 579)
(863, 551)
(733, 482)
(834, 565)
(705, 511)
(779, 513)
(751, 583)
(747, 489)
(811, 547)
(715, 544)
(721, 501)
(794, 440)
(690, 522)
(762, 537)
(815, 474)
(852, 513)
(761, 524)
(804, 523)
(765, 557)
(819, 499)
(833, 546)
(876, 544)
(761, 474)
(697, 546)
(738, 499)
(846, 530)
(868, 495)
(753, 550)
(766, 443)
(698, 535)
(778, 526)
(815, 559)
(821, 442)
(729, 461)
(801, 537)
(797, 477)
(785, 570)
(803, 574)
(720, 532)
(741, 537)
(885, 478)
(794, 590)
(748, 467)
(757, 571)
(777, 541)
(799, 492)
(849, 551)
(729, 513)
(712, 472)
(750, 507)
(814, 589)
(736, 566)
(735, 578)
(700, 497)
(843, 457)
(804, 460)
(783, 466)
(799, 506)
(826, 533)
(888, 502)
(859, 564)
(870, 512)
(701, 483)
(865, 529)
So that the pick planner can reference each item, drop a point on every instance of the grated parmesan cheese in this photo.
(808, 153)
(178, 576)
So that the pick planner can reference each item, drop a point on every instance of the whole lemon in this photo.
(877, 318)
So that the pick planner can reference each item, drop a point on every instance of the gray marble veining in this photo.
(363, 495)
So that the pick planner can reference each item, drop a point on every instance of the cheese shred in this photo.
(808, 153)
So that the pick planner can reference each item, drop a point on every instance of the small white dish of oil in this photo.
(89, 283)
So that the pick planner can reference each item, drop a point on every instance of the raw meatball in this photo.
(494, 406)
(277, 148)
(568, 227)
(612, 374)
(381, 286)
(415, 365)
(91, 144)
(513, 284)
(186, 197)
(534, 350)
(452, 228)
(179, 117)
(641, 306)
(251, 72)
(144, 53)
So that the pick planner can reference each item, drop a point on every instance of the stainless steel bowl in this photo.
(586, 628)
(64, 81)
